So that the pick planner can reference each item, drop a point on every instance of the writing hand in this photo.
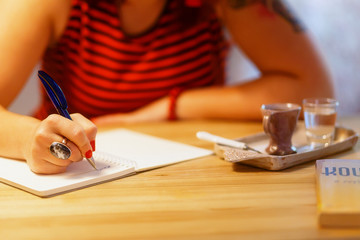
(80, 134)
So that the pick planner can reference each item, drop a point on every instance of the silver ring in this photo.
(60, 150)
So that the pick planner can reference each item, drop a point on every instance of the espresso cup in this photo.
(279, 122)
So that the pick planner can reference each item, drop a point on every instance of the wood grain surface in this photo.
(206, 198)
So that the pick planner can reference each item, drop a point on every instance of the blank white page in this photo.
(147, 151)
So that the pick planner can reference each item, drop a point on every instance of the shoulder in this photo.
(264, 15)
(59, 11)
(36, 9)
(51, 14)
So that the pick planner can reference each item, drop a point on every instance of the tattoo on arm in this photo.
(284, 11)
(241, 3)
(273, 6)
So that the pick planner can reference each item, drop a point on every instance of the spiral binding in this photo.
(113, 160)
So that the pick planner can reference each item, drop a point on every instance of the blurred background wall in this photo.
(333, 25)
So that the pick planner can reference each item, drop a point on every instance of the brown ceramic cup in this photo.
(279, 122)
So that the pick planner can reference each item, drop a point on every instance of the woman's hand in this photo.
(154, 112)
(80, 134)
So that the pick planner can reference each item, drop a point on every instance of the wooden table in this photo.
(206, 198)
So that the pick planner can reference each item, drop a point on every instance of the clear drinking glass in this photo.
(320, 119)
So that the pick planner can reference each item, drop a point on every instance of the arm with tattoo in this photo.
(271, 6)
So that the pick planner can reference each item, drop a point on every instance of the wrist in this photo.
(173, 97)
(28, 139)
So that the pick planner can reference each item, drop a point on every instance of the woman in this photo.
(144, 60)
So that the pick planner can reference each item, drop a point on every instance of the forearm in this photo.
(243, 102)
(16, 131)
(272, 38)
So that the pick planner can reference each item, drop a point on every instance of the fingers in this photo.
(75, 155)
(88, 126)
(76, 131)
(44, 162)
(80, 135)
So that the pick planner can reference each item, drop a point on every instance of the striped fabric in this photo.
(103, 70)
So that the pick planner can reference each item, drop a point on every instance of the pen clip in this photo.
(55, 93)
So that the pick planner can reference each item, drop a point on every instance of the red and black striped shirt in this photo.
(102, 70)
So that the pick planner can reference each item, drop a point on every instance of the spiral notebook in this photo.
(119, 153)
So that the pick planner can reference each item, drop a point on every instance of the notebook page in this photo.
(147, 151)
(79, 174)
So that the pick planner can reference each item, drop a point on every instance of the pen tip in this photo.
(92, 162)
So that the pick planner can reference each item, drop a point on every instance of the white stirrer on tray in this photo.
(223, 141)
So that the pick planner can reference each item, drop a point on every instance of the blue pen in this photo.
(58, 99)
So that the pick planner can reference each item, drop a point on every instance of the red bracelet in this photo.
(173, 96)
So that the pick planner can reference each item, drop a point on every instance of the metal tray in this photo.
(345, 138)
